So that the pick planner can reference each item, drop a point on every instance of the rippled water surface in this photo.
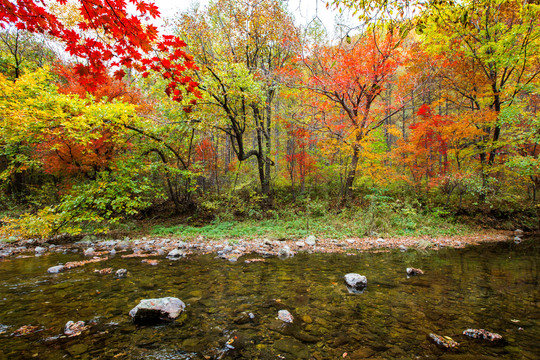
(495, 287)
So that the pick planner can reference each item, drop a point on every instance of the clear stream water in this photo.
(493, 286)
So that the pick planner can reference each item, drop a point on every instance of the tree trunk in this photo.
(347, 194)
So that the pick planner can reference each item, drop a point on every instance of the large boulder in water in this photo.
(151, 311)
(356, 283)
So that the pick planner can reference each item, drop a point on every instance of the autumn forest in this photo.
(412, 115)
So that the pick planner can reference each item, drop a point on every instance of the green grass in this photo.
(358, 224)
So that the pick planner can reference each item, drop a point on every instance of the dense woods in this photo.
(235, 111)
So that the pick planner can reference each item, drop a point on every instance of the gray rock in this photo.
(356, 283)
(108, 243)
(286, 251)
(300, 244)
(517, 239)
(311, 240)
(123, 245)
(402, 248)
(150, 311)
(40, 250)
(482, 334)
(89, 252)
(55, 269)
(181, 245)
(74, 328)
(175, 254)
(351, 241)
(148, 248)
(120, 273)
(518, 232)
(380, 241)
(413, 271)
(285, 316)
(112, 252)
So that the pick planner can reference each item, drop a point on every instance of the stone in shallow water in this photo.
(356, 283)
(55, 269)
(291, 346)
(285, 316)
(157, 310)
(286, 251)
(482, 334)
(74, 328)
(120, 273)
(413, 271)
(40, 250)
(443, 341)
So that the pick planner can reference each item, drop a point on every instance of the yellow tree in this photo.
(239, 46)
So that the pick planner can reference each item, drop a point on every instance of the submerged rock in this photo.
(74, 328)
(413, 271)
(443, 341)
(285, 316)
(356, 283)
(103, 271)
(482, 334)
(89, 252)
(120, 273)
(157, 310)
(55, 269)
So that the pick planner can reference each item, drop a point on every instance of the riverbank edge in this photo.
(232, 249)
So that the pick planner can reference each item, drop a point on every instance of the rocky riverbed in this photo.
(474, 302)
(232, 249)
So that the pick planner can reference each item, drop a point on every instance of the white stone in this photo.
(311, 240)
(285, 316)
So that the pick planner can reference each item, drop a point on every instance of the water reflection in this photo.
(491, 286)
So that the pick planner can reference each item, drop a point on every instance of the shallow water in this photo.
(494, 286)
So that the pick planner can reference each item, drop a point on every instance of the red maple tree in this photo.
(109, 36)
